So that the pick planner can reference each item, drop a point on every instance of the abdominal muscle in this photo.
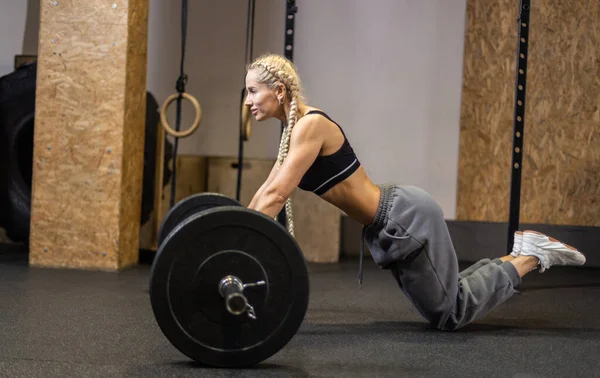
(357, 196)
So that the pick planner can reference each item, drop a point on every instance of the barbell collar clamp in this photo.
(231, 289)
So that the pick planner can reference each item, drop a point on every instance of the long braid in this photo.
(293, 89)
(285, 149)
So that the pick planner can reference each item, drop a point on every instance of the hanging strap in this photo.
(180, 87)
(250, 31)
(248, 59)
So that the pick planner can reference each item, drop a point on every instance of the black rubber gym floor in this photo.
(65, 323)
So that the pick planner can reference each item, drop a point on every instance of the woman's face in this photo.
(262, 100)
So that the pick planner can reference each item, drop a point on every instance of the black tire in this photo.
(17, 112)
(18, 178)
(17, 109)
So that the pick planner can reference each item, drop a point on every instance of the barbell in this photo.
(229, 286)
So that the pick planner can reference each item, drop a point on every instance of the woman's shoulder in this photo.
(313, 116)
(316, 114)
(311, 110)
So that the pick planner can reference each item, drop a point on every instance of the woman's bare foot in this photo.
(525, 264)
(507, 258)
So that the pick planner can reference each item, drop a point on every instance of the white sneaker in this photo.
(549, 251)
(518, 241)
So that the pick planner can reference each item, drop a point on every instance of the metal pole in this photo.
(519, 122)
(290, 17)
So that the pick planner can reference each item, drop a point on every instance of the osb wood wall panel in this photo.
(562, 137)
(317, 224)
(133, 132)
(561, 156)
(87, 146)
(485, 127)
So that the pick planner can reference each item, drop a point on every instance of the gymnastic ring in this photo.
(245, 118)
(165, 122)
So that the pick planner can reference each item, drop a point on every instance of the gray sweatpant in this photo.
(410, 237)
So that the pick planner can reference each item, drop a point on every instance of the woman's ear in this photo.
(280, 93)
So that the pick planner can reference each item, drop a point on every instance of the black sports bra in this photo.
(328, 170)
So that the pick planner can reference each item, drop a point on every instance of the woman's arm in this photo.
(305, 144)
(263, 186)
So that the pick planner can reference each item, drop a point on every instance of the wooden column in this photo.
(89, 134)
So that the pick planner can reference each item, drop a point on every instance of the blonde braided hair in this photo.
(273, 70)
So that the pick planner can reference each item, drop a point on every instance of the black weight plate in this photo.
(193, 259)
(190, 206)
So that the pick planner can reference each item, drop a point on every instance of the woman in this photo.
(403, 225)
